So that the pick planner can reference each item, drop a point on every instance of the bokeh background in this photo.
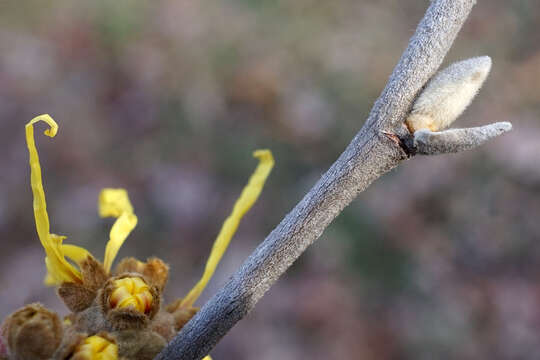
(438, 259)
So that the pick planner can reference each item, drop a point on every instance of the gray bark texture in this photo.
(375, 150)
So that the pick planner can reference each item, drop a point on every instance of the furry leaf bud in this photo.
(448, 94)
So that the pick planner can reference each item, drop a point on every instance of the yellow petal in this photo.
(96, 348)
(59, 269)
(49, 279)
(115, 203)
(133, 292)
(75, 253)
(249, 195)
(207, 357)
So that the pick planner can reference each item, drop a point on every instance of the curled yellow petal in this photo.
(49, 279)
(131, 292)
(59, 269)
(96, 348)
(115, 203)
(75, 253)
(249, 195)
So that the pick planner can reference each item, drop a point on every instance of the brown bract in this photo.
(78, 297)
(154, 270)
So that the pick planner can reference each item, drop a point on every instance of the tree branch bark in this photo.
(375, 150)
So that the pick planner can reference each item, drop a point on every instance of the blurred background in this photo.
(438, 259)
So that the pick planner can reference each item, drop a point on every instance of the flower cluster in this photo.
(115, 314)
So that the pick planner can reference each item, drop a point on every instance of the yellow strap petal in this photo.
(75, 253)
(49, 279)
(207, 357)
(249, 195)
(58, 266)
(59, 269)
(115, 203)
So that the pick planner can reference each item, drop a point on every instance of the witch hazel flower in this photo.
(114, 314)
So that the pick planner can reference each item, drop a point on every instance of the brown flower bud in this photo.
(33, 333)
(129, 302)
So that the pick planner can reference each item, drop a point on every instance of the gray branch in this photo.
(371, 154)
(456, 140)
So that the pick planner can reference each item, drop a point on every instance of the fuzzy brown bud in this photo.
(33, 333)
(129, 302)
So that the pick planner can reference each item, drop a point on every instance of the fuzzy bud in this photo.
(33, 333)
(131, 292)
(129, 302)
(447, 94)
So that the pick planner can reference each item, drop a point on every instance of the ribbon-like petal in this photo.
(59, 269)
(247, 198)
(115, 203)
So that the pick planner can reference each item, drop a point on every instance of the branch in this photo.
(371, 154)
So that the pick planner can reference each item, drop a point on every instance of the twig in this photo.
(371, 154)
